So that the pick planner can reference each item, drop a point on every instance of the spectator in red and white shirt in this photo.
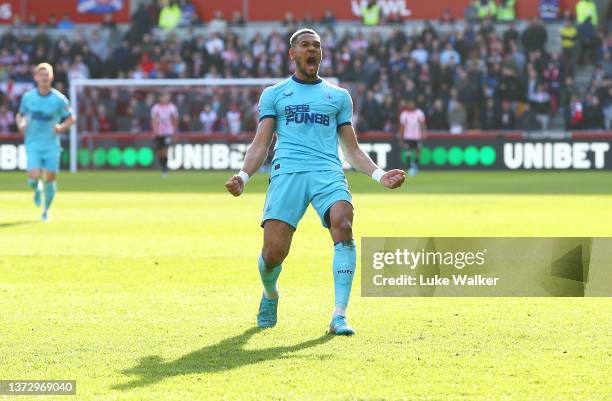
(164, 121)
(412, 129)
(234, 120)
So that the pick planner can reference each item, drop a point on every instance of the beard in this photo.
(303, 68)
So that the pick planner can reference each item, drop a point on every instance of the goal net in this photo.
(217, 118)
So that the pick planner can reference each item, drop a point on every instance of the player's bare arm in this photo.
(361, 161)
(21, 122)
(154, 125)
(255, 155)
(65, 125)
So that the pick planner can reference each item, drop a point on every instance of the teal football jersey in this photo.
(308, 116)
(42, 113)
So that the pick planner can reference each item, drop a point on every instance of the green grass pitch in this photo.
(147, 289)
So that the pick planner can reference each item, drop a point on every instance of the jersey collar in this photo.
(299, 81)
(41, 95)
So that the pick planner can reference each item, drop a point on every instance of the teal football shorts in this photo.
(289, 195)
(41, 158)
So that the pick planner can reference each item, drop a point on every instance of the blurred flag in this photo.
(99, 6)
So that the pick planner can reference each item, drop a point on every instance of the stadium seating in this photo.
(459, 65)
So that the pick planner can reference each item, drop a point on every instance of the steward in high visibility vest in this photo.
(170, 16)
(486, 8)
(584, 10)
(371, 13)
(506, 11)
(569, 35)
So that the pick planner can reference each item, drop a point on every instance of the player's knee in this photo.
(344, 227)
(273, 255)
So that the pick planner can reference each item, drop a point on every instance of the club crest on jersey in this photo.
(300, 114)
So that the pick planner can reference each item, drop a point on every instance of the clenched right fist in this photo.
(235, 185)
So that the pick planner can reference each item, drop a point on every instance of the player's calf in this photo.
(277, 240)
(33, 178)
(35, 184)
(269, 276)
(50, 189)
(344, 263)
(268, 306)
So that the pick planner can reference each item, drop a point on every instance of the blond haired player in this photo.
(44, 113)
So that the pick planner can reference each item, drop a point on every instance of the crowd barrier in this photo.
(472, 150)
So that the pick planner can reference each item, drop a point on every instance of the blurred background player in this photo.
(412, 128)
(310, 117)
(44, 113)
(164, 120)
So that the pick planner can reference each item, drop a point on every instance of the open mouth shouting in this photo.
(311, 64)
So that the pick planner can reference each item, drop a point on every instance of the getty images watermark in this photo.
(477, 266)
(412, 259)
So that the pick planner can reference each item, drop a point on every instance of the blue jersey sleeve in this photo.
(23, 105)
(345, 114)
(64, 107)
(266, 104)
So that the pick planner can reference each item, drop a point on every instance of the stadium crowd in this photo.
(469, 76)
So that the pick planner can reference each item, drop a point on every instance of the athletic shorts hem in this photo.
(49, 170)
(413, 143)
(163, 141)
(346, 197)
(283, 219)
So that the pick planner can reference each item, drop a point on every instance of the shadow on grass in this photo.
(17, 223)
(223, 356)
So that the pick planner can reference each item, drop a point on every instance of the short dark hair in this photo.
(299, 32)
